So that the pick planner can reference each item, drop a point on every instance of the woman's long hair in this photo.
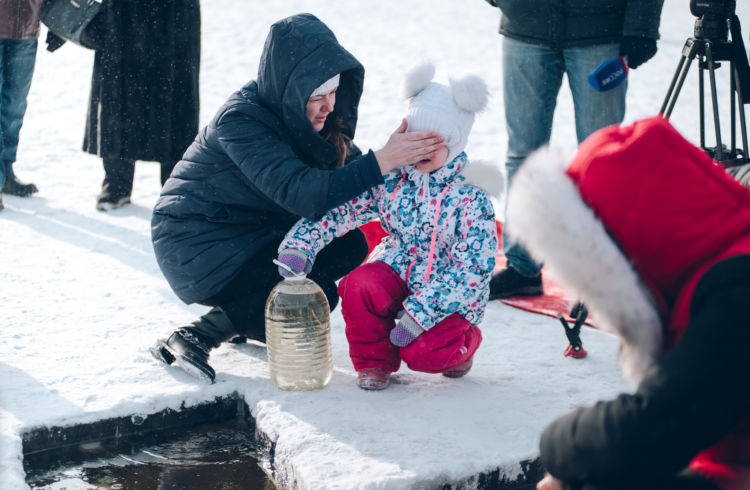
(333, 132)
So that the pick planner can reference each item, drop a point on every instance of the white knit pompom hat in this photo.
(447, 110)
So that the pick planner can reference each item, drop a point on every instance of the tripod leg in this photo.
(719, 155)
(671, 90)
(732, 116)
(689, 51)
(741, 109)
(674, 92)
(701, 105)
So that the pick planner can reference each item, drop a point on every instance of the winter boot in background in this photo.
(509, 283)
(15, 187)
(188, 347)
(108, 200)
(117, 185)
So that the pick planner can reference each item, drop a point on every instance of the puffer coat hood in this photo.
(259, 165)
(300, 53)
(630, 224)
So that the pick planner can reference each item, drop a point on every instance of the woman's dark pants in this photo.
(239, 309)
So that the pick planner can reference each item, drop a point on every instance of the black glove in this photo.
(53, 41)
(637, 50)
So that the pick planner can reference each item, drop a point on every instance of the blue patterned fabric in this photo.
(454, 277)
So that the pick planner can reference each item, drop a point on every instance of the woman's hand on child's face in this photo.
(404, 148)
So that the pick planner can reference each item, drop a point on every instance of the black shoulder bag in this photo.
(69, 19)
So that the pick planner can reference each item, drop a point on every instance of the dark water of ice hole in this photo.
(220, 456)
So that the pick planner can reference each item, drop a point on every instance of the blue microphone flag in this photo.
(609, 74)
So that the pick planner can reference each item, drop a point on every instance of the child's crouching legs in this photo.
(371, 295)
(448, 344)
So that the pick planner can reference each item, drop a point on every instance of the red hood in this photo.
(666, 203)
(636, 215)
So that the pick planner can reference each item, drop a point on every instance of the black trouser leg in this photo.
(118, 176)
(166, 170)
(244, 299)
(338, 259)
(214, 327)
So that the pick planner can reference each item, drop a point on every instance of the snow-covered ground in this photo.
(82, 297)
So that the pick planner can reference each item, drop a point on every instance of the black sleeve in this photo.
(687, 402)
(275, 169)
(353, 179)
(642, 18)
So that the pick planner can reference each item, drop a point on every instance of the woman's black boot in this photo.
(188, 347)
(187, 350)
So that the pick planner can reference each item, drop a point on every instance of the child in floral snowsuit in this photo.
(431, 274)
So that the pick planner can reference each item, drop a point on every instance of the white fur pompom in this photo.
(417, 78)
(470, 93)
(486, 175)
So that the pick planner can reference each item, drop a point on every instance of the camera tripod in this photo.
(709, 50)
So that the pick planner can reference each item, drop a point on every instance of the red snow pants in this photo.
(371, 296)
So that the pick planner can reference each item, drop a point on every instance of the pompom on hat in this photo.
(446, 109)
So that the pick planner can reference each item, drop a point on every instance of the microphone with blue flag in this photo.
(609, 74)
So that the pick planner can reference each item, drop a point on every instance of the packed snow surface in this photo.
(83, 298)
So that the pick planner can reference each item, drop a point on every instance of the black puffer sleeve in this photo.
(691, 398)
(274, 169)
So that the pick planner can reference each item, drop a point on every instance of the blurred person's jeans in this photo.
(17, 58)
(532, 77)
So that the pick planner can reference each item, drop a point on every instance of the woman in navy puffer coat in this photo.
(272, 154)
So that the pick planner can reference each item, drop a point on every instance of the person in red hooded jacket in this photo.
(654, 236)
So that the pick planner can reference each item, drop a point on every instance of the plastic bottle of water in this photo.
(298, 335)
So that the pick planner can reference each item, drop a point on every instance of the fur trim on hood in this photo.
(546, 213)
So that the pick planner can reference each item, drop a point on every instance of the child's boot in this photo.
(373, 379)
(459, 370)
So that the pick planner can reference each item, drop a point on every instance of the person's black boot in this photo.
(188, 350)
(15, 187)
(117, 184)
(189, 346)
(108, 200)
(509, 283)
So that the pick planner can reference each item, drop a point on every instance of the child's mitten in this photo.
(406, 330)
(293, 262)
